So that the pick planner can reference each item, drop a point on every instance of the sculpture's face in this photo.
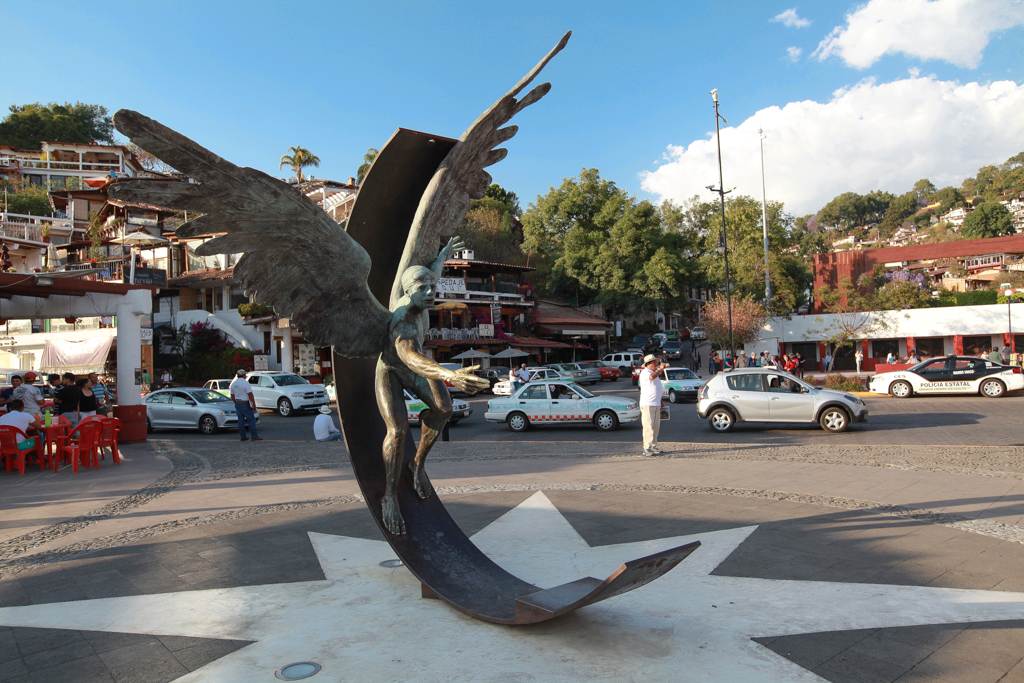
(421, 293)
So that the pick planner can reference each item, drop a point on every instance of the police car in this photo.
(415, 407)
(950, 375)
(560, 402)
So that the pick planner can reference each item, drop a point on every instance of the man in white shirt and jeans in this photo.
(323, 426)
(245, 406)
(650, 401)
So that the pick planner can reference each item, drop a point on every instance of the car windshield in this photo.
(672, 345)
(208, 396)
(288, 380)
(681, 373)
(583, 392)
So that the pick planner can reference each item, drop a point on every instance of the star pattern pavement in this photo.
(367, 622)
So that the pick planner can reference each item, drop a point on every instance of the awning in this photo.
(76, 356)
(449, 306)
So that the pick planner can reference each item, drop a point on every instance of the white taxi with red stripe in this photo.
(540, 403)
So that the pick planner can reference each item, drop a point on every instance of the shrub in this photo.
(254, 310)
(842, 383)
(978, 298)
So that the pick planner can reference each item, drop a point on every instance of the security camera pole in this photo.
(723, 242)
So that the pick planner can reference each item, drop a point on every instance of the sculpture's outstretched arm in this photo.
(463, 378)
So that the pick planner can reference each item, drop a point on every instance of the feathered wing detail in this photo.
(461, 176)
(297, 259)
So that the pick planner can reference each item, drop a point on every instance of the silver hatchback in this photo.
(764, 395)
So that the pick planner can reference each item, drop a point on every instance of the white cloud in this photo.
(794, 53)
(867, 137)
(956, 31)
(791, 19)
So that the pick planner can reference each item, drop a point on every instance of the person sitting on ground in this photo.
(323, 426)
(20, 419)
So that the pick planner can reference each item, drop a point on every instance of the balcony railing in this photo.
(483, 297)
(69, 165)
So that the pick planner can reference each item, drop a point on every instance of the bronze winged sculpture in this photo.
(323, 286)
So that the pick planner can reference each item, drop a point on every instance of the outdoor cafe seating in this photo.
(57, 444)
(15, 446)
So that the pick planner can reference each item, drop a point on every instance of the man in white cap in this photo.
(245, 406)
(323, 426)
(650, 401)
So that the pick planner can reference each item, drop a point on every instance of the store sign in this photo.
(154, 277)
(495, 314)
(146, 334)
(454, 285)
(582, 333)
(260, 362)
(486, 330)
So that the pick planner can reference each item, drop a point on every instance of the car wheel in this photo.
(721, 420)
(149, 426)
(606, 421)
(284, 407)
(518, 422)
(672, 397)
(207, 424)
(993, 388)
(901, 389)
(834, 420)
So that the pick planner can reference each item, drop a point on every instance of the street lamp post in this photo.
(764, 221)
(724, 241)
(1008, 290)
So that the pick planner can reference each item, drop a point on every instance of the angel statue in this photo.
(322, 283)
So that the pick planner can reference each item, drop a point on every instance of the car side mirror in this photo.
(805, 390)
(700, 376)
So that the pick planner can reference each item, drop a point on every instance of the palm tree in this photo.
(299, 159)
(368, 158)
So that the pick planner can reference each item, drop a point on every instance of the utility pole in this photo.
(764, 221)
(724, 239)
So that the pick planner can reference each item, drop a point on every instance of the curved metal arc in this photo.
(434, 548)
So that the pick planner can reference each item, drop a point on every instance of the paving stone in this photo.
(199, 655)
(86, 670)
(78, 648)
(148, 662)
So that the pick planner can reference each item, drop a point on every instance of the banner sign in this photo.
(455, 285)
(153, 277)
(495, 314)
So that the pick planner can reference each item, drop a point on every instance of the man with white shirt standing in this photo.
(323, 426)
(650, 401)
(245, 406)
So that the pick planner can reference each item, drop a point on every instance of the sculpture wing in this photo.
(296, 258)
(461, 176)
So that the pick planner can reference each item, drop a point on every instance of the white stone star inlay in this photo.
(366, 622)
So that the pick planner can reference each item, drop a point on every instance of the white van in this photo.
(624, 361)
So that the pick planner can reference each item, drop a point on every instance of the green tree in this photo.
(299, 159)
(27, 126)
(748, 318)
(506, 197)
(364, 168)
(25, 198)
(923, 189)
(991, 219)
(900, 209)
(949, 197)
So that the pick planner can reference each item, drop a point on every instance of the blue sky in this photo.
(630, 91)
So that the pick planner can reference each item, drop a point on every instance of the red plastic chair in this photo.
(10, 437)
(108, 438)
(83, 451)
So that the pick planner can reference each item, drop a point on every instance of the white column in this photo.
(286, 350)
(225, 297)
(129, 355)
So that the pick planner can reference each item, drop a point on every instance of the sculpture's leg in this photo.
(391, 402)
(435, 395)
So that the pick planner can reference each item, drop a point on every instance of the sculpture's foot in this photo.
(424, 489)
(392, 517)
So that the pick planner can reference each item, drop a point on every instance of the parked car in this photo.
(625, 362)
(579, 373)
(660, 338)
(493, 375)
(452, 390)
(546, 402)
(286, 392)
(699, 333)
(504, 388)
(684, 334)
(672, 349)
(681, 384)
(759, 395)
(672, 334)
(415, 409)
(638, 342)
(221, 386)
(950, 375)
(190, 408)
(607, 372)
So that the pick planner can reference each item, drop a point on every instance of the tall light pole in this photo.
(724, 240)
(764, 221)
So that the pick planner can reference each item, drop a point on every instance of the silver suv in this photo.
(764, 395)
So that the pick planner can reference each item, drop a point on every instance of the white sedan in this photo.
(950, 375)
(415, 408)
(561, 402)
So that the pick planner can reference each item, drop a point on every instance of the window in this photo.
(751, 382)
(536, 392)
(181, 399)
(977, 346)
(780, 384)
(930, 346)
(266, 382)
(880, 348)
(158, 398)
(932, 367)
